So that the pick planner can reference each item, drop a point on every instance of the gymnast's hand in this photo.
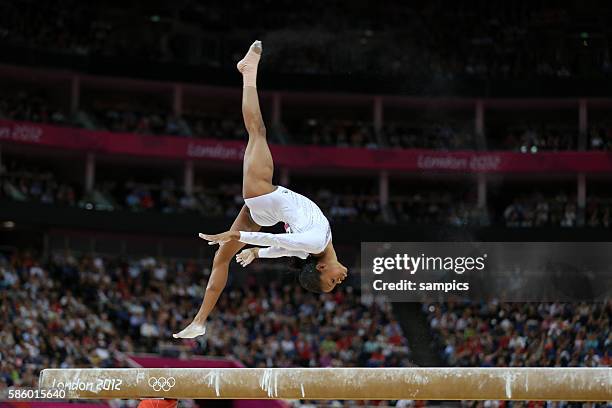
(247, 256)
(193, 330)
(221, 238)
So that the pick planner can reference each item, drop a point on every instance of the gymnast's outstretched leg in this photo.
(257, 180)
(258, 167)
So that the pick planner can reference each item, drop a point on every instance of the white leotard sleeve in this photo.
(310, 241)
(277, 252)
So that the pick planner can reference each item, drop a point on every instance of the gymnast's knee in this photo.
(256, 130)
(252, 192)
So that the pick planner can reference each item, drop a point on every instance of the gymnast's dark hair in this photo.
(307, 273)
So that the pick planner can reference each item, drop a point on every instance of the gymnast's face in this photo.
(332, 273)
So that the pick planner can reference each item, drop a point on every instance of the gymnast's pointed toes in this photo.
(257, 46)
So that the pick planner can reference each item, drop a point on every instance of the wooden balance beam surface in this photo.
(561, 384)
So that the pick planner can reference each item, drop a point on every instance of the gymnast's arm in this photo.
(277, 252)
(309, 241)
(249, 255)
(220, 268)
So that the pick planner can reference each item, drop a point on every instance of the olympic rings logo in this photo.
(161, 383)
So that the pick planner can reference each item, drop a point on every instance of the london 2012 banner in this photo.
(405, 160)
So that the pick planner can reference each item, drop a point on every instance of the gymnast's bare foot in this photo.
(248, 65)
(193, 330)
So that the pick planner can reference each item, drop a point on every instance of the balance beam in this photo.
(541, 384)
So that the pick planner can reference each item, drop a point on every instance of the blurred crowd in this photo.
(331, 133)
(540, 137)
(600, 136)
(19, 183)
(437, 134)
(49, 325)
(437, 207)
(154, 120)
(69, 311)
(497, 334)
(429, 42)
(599, 212)
(540, 210)
(401, 135)
(558, 210)
(31, 107)
(341, 202)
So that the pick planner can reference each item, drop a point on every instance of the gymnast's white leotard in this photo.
(308, 231)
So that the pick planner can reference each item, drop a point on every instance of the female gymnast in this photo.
(308, 232)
